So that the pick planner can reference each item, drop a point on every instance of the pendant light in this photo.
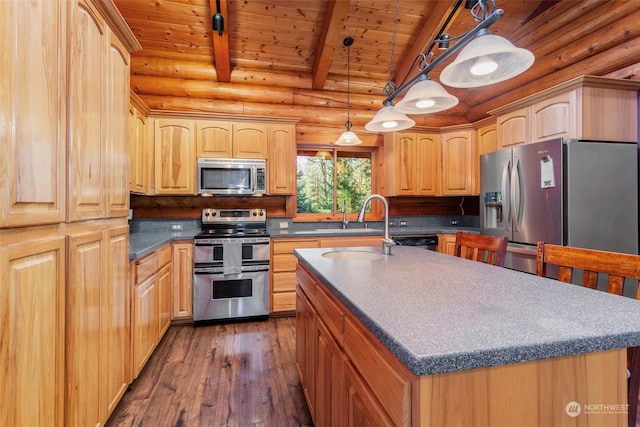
(486, 60)
(348, 137)
(426, 96)
(388, 119)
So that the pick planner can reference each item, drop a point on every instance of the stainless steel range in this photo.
(231, 265)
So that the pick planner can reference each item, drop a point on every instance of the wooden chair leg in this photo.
(634, 386)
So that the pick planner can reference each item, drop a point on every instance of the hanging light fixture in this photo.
(388, 119)
(426, 96)
(484, 59)
(348, 137)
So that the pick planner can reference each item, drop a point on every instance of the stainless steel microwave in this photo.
(232, 177)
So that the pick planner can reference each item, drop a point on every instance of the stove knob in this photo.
(261, 213)
(213, 214)
(206, 214)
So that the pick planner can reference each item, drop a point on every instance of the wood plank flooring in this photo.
(234, 374)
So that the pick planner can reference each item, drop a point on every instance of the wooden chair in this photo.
(477, 247)
(592, 263)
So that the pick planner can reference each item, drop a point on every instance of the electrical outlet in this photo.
(284, 225)
(403, 223)
(392, 223)
(176, 227)
(453, 222)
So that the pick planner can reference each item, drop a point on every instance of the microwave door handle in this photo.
(254, 178)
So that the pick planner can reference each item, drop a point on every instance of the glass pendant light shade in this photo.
(426, 96)
(486, 60)
(389, 120)
(348, 138)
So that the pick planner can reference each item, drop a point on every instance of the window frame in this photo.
(376, 213)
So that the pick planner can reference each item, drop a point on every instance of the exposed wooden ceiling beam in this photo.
(329, 39)
(221, 43)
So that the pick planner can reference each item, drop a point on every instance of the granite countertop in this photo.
(143, 243)
(438, 313)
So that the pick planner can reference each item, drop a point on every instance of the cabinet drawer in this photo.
(164, 256)
(284, 301)
(284, 262)
(388, 385)
(146, 267)
(287, 246)
(330, 313)
(284, 282)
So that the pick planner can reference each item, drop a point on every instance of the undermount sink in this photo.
(354, 255)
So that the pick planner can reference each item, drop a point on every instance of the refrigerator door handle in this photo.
(515, 184)
(505, 174)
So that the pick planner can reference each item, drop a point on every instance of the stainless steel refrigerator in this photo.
(562, 191)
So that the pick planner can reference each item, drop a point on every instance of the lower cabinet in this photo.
(151, 284)
(447, 243)
(32, 305)
(284, 262)
(97, 322)
(182, 280)
(332, 352)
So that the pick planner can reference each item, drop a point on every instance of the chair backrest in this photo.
(477, 247)
(592, 263)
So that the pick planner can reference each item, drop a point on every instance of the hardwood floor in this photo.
(236, 374)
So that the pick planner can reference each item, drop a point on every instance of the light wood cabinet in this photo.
(249, 141)
(224, 139)
(140, 152)
(175, 160)
(330, 380)
(414, 161)
(281, 159)
(306, 341)
(32, 304)
(587, 107)
(447, 243)
(152, 305)
(458, 162)
(284, 262)
(487, 142)
(97, 313)
(33, 111)
(182, 280)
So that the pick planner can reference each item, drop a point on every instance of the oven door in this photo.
(228, 296)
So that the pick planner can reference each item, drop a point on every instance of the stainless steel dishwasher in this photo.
(426, 241)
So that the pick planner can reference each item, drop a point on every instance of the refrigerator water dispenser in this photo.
(493, 209)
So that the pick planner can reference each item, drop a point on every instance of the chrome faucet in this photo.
(345, 220)
(387, 242)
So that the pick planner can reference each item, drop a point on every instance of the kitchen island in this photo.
(422, 338)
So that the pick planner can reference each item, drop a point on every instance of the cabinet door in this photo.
(487, 142)
(85, 279)
(87, 69)
(116, 320)
(33, 111)
(513, 128)
(306, 340)
(447, 243)
(138, 165)
(32, 283)
(164, 303)
(145, 322)
(361, 406)
(554, 118)
(182, 280)
(213, 139)
(458, 166)
(427, 164)
(116, 129)
(175, 165)
(281, 161)
(330, 381)
(250, 141)
(403, 160)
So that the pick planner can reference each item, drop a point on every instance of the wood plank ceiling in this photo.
(285, 58)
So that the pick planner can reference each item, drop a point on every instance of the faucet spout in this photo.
(345, 220)
(387, 242)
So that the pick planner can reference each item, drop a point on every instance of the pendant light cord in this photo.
(348, 124)
(390, 86)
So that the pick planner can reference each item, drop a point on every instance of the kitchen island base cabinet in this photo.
(349, 375)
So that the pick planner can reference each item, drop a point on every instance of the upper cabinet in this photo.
(175, 160)
(140, 150)
(223, 139)
(32, 112)
(281, 159)
(413, 163)
(430, 164)
(588, 107)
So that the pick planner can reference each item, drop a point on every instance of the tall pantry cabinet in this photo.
(64, 76)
